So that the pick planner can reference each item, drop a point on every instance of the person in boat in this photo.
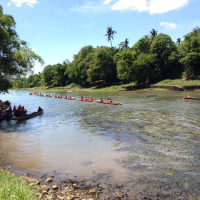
(110, 101)
(23, 113)
(81, 98)
(40, 109)
(101, 100)
(118, 101)
(19, 107)
(92, 99)
(189, 96)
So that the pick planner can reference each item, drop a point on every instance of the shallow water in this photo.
(154, 136)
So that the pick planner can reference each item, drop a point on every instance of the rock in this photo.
(61, 198)
(44, 187)
(37, 183)
(49, 180)
(44, 192)
(92, 190)
(54, 187)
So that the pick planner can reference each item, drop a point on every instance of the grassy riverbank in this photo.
(14, 187)
(78, 88)
(178, 82)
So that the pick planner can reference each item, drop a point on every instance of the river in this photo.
(153, 138)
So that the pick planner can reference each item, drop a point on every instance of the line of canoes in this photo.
(109, 101)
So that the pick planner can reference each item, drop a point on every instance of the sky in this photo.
(58, 29)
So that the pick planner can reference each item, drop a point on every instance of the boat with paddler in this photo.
(28, 116)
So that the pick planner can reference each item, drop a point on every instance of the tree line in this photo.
(154, 57)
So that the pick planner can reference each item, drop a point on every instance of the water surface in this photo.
(153, 138)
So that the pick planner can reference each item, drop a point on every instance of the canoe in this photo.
(89, 100)
(34, 114)
(2, 117)
(72, 98)
(193, 98)
(106, 102)
(116, 103)
(9, 116)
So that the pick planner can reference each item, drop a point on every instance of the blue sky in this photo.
(58, 29)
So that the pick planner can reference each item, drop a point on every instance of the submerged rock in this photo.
(54, 187)
(49, 180)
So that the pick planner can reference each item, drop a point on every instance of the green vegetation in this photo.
(14, 187)
(16, 57)
(153, 58)
(178, 82)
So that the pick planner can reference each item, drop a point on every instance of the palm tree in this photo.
(124, 45)
(178, 41)
(153, 34)
(110, 34)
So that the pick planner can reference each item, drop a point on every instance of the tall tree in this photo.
(110, 34)
(15, 55)
(124, 45)
(178, 41)
(153, 34)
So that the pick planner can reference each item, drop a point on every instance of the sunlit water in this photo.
(155, 135)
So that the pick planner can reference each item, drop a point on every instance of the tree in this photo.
(146, 69)
(191, 63)
(124, 60)
(178, 41)
(47, 75)
(142, 45)
(153, 34)
(15, 55)
(163, 46)
(124, 45)
(102, 66)
(77, 70)
(110, 34)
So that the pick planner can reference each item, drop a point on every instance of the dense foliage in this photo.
(16, 57)
(153, 58)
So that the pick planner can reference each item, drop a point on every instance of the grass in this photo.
(178, 82)
(14, 188)
(77, 88)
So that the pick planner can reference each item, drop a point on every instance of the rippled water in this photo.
(153, 137)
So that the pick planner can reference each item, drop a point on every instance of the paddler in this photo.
(189, 96)
(118, 101)
(40, 109)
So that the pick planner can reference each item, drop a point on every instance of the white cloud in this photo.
(33, 49)
(107, 1)
(90, 6)
(169, 25)
(8, 4)
(19, 3)
(152, 6)
(163, 6)
(129, 5)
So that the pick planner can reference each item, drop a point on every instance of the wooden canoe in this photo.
(193, 98)
(34, 114)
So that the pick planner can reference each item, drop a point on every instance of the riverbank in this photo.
(50, 186)
(177, 85)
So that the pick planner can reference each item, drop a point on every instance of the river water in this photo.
(153, 138)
